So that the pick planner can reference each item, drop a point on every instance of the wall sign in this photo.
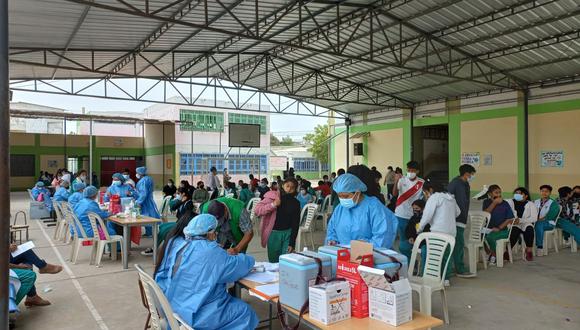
(487, 160)
(471, 158)
(552, 158)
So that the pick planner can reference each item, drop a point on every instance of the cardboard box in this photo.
(361, 253)
(330, 302)
(388, 302)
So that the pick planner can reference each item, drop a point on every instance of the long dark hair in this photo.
(180, 225)
(368, 178)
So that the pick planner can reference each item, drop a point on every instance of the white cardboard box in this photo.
(388, 302)
(329, 302)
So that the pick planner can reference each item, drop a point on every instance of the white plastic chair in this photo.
(162, 315)
(99, 248)
(552, 235)
(326, 211)
(255, 219)
(477, 221)
(307, 216)
(433, 274)
(61, 223)
(67, 213)
(164, 209)
(79, 239)
(501, 245)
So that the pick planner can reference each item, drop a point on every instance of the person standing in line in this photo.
(389, 182)
(409, 189)
(460, 189)
(213, 183)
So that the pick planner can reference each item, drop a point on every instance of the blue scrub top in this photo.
(500, 213)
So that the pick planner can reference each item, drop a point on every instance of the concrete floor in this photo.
(543, 294)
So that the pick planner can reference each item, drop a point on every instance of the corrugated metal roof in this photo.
(351, 56)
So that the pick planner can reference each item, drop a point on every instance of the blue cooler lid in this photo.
(326, 260)
(332, 249)
(381, 259)
(298, 261)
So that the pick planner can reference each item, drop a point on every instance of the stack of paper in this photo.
(266, 292)
(262, 277)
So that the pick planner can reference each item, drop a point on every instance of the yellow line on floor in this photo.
(84, 296)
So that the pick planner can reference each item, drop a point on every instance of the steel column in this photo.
(526, 139)
(90, 174)
(347, 123)
(4, 164)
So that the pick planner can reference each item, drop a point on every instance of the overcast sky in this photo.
(294, 126)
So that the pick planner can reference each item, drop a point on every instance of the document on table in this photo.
(262, 277)
(267, 266)
(266, 292)
(23, 248)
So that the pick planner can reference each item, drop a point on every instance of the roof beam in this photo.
(181, 12)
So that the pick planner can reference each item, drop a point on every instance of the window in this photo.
(237, 118)
(199, 164)
(201, 121)
(22, 165)
(308, 165)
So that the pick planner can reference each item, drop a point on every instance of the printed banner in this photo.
(471, 158)
(552, 158)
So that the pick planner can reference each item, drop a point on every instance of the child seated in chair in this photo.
(501, 217)
(547, 214)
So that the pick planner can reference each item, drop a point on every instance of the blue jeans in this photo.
(404, 246)
(541, 227)
(29, 258)
(569, 227)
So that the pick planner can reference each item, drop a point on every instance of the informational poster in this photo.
(487, 160)
(552, 158)
(471, 158)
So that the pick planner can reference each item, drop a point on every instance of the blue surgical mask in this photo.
(117, 183)
(347, 203)
(126, 176)
(471, 178)
(518, 197)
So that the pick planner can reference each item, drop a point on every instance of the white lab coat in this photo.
(529, 217)
(440, 212)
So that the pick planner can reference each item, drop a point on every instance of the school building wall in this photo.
(49, 152)
(490, 125)
(160, 152)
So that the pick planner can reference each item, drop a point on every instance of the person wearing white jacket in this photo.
(440, 212)
(526, 216)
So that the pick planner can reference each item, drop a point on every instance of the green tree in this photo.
(274, 141)
(318, 143)
(287, 141)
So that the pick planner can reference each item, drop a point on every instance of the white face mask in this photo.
(411, 175)
(138, 176)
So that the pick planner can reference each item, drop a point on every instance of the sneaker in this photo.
(466, 275)
(539, 252)
(50, 269)
(529, 256)
(147, 252)
(446, 283)
(567, 243)
(492, 260)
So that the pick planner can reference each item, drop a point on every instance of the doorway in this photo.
(431, 150)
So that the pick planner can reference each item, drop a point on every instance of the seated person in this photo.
(527, 215)
(501, 217)
(88, 204)
(324, 188)
(119, 187)
(567, 221)
(231, 189)
(263, 187)
(304, 197)
(200, 195)
(62, 193)
(22, 266)
(359, 217)
(245, 194)
(235, 228)
(26, 278)
(41, 194)
(194, 273)
(411, 230)
(184, 209)
(548, 211)
(77, 194)
(169, 189)
(274, 186)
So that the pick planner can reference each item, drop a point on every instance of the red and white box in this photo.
(347, 268)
